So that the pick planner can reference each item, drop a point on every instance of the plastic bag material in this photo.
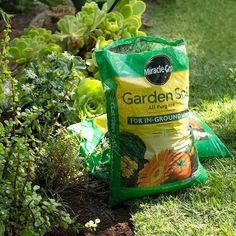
(207, 142)
(146, 83)
(94, 145)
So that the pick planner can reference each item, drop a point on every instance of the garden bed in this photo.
(84, 201)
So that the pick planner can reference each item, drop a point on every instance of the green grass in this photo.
(208, 27)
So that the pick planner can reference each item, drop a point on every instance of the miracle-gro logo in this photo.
(158, 70)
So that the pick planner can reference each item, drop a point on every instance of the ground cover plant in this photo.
(208, 209)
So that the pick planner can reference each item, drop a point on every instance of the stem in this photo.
(4, 172)
(33, 216)
(17, 172)
(113, 6)
(14, 107)
(26, 179)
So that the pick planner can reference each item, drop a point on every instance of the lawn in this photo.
(208, 28)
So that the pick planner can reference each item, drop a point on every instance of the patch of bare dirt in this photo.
(90, 202)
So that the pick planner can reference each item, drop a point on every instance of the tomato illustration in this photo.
(182, 167)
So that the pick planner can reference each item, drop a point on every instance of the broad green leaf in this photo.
(21, 60)
(15, 52)
(126, 11)
(139, 7)
(133, 22)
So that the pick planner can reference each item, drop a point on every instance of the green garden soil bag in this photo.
(146, 84)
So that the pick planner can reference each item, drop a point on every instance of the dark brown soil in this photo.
(19, 22)
(89, 201)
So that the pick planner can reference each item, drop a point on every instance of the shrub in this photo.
(24, 211)
(59, 164)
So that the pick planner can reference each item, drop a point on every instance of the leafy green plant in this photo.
(94, 27)
(32, 45)
(47, 87)
(24, 211)
(89, 98)
(92, 22)
(131, 11)
(74, 31)
(59, 164)
(50, 87)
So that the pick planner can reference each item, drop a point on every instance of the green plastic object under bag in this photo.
(207, 143)
(146, 83)
(94, 147)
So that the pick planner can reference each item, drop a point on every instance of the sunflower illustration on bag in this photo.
(166, 166)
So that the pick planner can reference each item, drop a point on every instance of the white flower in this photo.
(68, 56)
(30, 74)
(28, 87)
(90, 222)
(92, 225)
(52, 56)
(97, 221)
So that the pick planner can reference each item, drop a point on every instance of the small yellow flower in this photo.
(128, 166)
